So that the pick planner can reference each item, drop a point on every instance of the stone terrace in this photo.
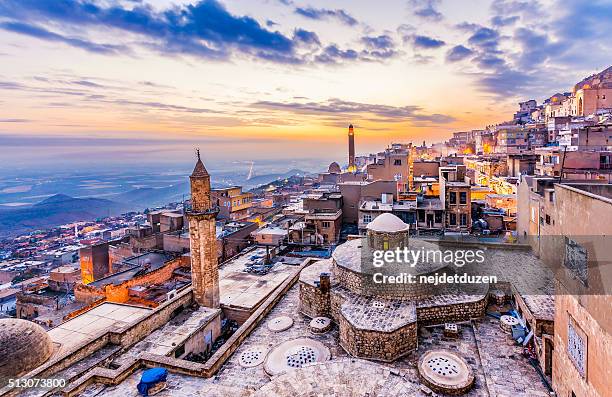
(500, 369)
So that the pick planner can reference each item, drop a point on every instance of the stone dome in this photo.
(334, 168)
(24, 346)
(387, 223)
(338, 378)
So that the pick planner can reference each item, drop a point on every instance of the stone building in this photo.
(593, 93)
(392, 165)
(375, 321)
(233, 203)
(455, 195)
(354, 193)
(568, 226)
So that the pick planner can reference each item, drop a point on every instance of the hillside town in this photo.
(219, 290)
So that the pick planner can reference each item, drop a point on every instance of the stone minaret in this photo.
(202, 219)
(351, 144)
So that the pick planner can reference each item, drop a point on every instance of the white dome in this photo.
(388, 223)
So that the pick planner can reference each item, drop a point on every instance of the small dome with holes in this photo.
(295, 353)
(445, 372)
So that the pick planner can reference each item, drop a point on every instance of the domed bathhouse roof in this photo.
(387, 223)
(334, 168)
(24, 346)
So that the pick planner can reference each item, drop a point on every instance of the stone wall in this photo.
(363, 284)
(314, 302)
(441, 314)
(596, 348)
(376, 345)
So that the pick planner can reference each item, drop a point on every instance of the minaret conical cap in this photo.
(199, 170)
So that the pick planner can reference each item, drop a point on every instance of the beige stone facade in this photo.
(203, 246)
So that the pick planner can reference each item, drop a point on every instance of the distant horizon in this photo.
(145, 82)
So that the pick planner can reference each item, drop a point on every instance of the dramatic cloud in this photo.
(323, 13)
(458, 53)
(383, 42)
(468, 26)
(499, 20)
(378, 48)
(340, 109)
(306, 37)
(204, 29)
(426, 9)
(530, 50)
(427, 42)
(333, 54)
(537, 48)
(485, 38)
(43, 34)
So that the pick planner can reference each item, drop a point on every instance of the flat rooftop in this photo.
(154, 260)
(243, 290)
(373, 205)
(165, 340)
(101, 318)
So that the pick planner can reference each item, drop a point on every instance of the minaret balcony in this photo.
(210, 211)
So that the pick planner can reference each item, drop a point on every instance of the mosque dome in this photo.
(387, 223)
(24, 346)
(334, 168)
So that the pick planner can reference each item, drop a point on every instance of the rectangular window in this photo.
(548, 219)
(438, 217)
(462, 197)
(453, 219)
(326, 224)
(576, 346)
(452, 198)
(421, 216)
(463, 219)
(367, 218)
(397, 162)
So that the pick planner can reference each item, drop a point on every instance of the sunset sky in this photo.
(254, 79)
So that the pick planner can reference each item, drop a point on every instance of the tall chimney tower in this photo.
(202, 239)
(351, 144)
